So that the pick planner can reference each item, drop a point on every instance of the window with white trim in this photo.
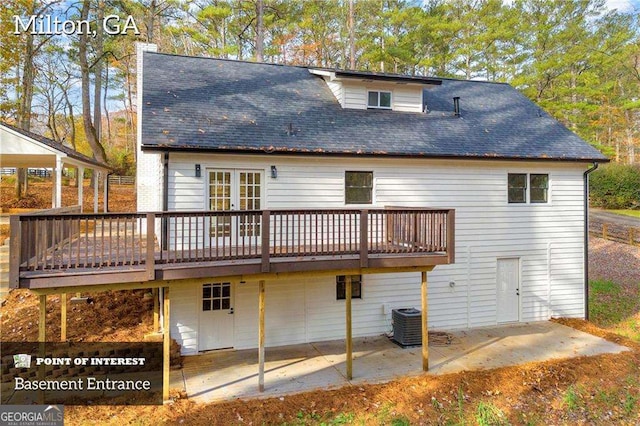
(379, 99)
(539, 188)
(528, 188)
(358, 187)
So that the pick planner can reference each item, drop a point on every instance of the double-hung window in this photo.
(539, 188)
(528, 188)
(379, 100)
(358, 187)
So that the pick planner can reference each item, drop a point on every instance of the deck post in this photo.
(451, 236)
(63, 317)
(150, 255)
(42, 336)
(166, 345)
(364, 241)
(156, 309)
(265, 229)
(261, 296)
(425, 328)
(349, 349)
(42, 318)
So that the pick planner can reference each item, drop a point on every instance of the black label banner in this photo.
(81, 373)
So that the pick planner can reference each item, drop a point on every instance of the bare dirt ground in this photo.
(599, 390)
(122, 198)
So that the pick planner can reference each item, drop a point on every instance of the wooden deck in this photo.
(65, 250)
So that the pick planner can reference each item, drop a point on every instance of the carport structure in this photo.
(23, 149)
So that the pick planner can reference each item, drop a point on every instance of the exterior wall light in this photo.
(274, 172)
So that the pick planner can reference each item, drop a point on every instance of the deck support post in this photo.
(42, 336)
(425, 328)
(42, 318)
(166, 345)
(261, 296)
(63, 317)
(156, 309)
(349, 349)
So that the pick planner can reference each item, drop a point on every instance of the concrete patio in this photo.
(223, 375)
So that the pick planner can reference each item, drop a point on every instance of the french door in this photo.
(229, 190)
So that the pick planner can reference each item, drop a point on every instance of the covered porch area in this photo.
(228, 374)
(22, 150)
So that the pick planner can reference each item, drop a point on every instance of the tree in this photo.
(89, 128)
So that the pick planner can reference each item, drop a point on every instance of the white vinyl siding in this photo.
(407, 98)
(336, 89)
(546, 237)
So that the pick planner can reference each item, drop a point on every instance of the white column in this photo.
(96, 181)
(80, 186)
(57, 201)
(105, 185)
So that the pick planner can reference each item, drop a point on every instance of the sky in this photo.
(624, 5)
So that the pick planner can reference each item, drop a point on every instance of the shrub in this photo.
(615, 186)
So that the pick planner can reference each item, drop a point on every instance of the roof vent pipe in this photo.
(456, 106)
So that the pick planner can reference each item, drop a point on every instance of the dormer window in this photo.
(379, 100)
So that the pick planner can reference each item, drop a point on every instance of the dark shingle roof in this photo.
(224, 105)
(72, 153)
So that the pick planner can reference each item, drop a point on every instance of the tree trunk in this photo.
(352, 37)
(97, 87)
(24, 109)
(260, 31)
(21, 180)
(89, 129)
(106, 97)
(151, 17)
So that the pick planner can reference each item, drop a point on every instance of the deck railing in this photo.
(144, 241)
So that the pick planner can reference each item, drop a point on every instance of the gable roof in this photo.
(69, 152)
(217, 105)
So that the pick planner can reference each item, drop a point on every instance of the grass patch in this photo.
(632, 213)
(609, 304)
(487, 414)
(571, 398)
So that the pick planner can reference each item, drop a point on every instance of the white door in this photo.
(216, 316)
(234, 190)
(508, 282)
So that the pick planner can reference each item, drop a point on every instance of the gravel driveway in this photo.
(613, 261)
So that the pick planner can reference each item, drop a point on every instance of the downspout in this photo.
(586, 239)
(165, 198)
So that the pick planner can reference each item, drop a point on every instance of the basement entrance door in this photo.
(234, 190)
(508, 283)
(216, 316)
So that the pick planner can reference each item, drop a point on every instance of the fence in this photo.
(614, 232)
(121, 180)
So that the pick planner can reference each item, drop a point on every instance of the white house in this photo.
(228, 136)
